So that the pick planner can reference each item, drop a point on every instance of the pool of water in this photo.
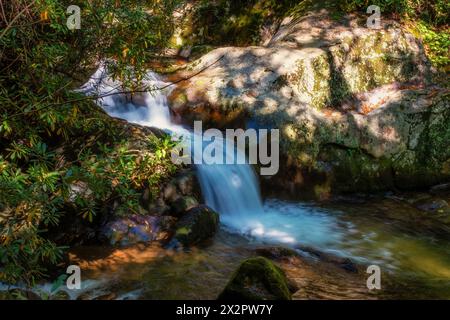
(411, 248)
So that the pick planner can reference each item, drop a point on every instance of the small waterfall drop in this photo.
(232, 189)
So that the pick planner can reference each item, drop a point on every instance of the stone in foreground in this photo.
(257, 279)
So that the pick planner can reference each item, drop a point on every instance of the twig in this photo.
(3, 12)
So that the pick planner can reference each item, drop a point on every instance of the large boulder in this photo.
(257, 279)
(197, 224)
(354, 106)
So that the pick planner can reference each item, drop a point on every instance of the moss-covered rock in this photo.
(196, 225)
(257, 279)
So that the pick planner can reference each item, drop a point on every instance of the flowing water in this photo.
(411, 247)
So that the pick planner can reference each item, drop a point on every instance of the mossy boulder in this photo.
(197, 224)
(257, 279)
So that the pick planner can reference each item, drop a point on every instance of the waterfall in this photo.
(230, 189)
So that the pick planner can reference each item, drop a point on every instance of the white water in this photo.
(232, 190)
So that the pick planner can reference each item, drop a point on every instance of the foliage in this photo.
(437, 44)
(430, 20)
(434, 11)
(237, 22)
(53, 138)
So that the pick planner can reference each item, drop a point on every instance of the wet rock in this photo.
(257, 279)
(196, 225)
(182, 204)
(131, 230)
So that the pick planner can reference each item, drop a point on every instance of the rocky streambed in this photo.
(406, 235)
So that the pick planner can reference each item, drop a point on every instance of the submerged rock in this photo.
(257, 279)
(197, 224)
(344, 263)
(276, 253)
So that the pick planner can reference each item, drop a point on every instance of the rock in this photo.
(276, 253)
(170, 192)
(341, 262)
(182, 204)
(167, 227)
(80, 189)
(158, 208)
(187, 183)
(197, 224)
(131, 230)
(292, 285)
(257, 279)
(184, 184)
(354, 106)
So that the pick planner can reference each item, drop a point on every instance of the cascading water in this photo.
(230, 189)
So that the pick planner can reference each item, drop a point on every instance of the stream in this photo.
(410, 247)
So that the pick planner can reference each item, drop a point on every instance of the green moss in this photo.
(257, 279)
(183, 231)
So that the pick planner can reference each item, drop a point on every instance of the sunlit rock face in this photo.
(355, 106)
